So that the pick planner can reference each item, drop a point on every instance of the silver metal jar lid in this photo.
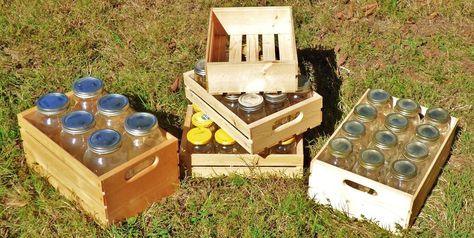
(404, 169)
(275, 97)
(427, 132)
(52, 103)
(250, 102)
(354, 129)
(365, 112)
(371, 158)
(140, 124)
(438, 115)
(87, 87)
(340, 147)
(232, 97)
(104, 141)
(415, 151)
(407, 107)
(78, 122)
(200, 67)
(396, 122)
(304, 84)
(378, 96)
(385, 139)
(112, 104)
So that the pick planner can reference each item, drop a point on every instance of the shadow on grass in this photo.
(321, 67)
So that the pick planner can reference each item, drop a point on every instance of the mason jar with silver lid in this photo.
(51, 107)
(410, 109)
(438, 117)
(87, 91)
(402, 176)
(367, 114)
(251, 107)
(428, 135)
(387, 143)
(355, 132)
(200, 73)
(231, 101)
(303, 92)
(112, 109)
(398, 124)
(276, 102)
(417, 153)
(370, 164)
(381, 100)
(76, 127)
(104, 151)
(339, 153)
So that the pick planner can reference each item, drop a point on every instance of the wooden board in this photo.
(211, 165)
(386, 206)
(261, 134)
(253, 63)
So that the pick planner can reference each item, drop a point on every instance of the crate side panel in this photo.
(209, 172)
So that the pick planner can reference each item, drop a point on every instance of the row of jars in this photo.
(100, 130)
(251, 107)
(390, 145)
(201, 141)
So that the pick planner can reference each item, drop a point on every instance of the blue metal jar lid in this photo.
(52, 103)
(371, 158)
(78, 122)
(378, 96)
(438, 115)
(396, 122)
(365, 112)
(112, 104)
(140, 124)
(104, 141)
(87, 87)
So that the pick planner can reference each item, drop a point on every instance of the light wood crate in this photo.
(261, 134)
(385, 205)
(110, 197)
(271, 63)
(212, 165)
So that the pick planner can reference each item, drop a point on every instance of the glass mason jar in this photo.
(428, 135)
(200, 141)
(275, 102)
(287, 146)
(76, 127)
(438, 117)
(142, 133)
(225, 144)
(104, 151)
(200, 119)
(303, 92)
(51, 107)
(417, 153)
(231, 101)
(398, 124)
(410, 109)
(200, 73)
(355, 132)
(112, 109)
(387, 143)
(339, 153)
(87, 91)
(381, 100)
(251, 107)
(370, 164)
(367, 114)
(402, 176)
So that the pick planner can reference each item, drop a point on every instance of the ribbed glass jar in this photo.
(76, 128)
(410, 109)
(438, 117)
(370, 164)
(251, 107)
(398, 124)
(112, 109)
(51, 108)
(339, 153)
(87, 92)
(402, 176)
(355, 132)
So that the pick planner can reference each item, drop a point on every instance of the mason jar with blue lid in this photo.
(50, 108)
(142, 133)
(112, 109)
(76, 127)
(104, 151)
(87, 91)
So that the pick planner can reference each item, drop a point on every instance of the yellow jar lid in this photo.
(200, 119)
(288, 141)
(196, 108)
(199, 136)
(223, 138)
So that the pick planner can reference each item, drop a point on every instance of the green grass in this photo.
(421, 50)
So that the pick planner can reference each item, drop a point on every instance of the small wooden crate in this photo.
(261, 134)
(112, 196)
(251, 49)
(212, 165)
(385, 205)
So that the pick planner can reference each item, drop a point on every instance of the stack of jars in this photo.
(389, 144)
(97, 128)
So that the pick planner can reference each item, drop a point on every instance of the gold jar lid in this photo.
(371, 158)
(340, 147)
(365, 112)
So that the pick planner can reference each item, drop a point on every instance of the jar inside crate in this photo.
(51, 108)
(402, 175)
(370, 164)
(398, 124)
(438, 117)
(251, 107)
(76, 128)
(112, 109)
(381, 100)
(200, 141)
(104, 151)
(87, 92)
(339, 153)
(410, 109)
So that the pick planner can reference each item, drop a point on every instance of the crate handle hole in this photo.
(295, 120)
(360, 187)
(142, 168)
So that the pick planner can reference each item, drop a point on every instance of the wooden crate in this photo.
(212, 165)
(261, 134)
(112, 196)
(385, 205)
(265, 36)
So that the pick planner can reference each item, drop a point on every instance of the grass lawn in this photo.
(418, 49)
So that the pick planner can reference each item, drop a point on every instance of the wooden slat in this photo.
(268, 43)
(285, 46)
(252, 45)
(235, 48)
(209, 172)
